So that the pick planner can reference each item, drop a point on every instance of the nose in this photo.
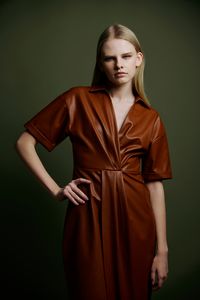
(118, 63)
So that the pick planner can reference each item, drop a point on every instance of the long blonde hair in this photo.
(120, 32)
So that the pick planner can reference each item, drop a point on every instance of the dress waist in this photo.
(132, 165)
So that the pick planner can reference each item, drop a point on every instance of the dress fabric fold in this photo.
(109, 242)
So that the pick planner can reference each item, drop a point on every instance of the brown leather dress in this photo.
(108, 242)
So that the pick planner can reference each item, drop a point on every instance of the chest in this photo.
(120, 112)
(94, 119)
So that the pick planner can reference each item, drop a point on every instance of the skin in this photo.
(120, 55)
(114, 58)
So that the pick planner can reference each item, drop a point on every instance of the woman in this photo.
(114, 239)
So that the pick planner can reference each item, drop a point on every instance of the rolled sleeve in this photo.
(50, 126)
(156, 164)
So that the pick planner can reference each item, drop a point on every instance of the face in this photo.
(119, 55)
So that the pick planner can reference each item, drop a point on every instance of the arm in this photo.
(160, 263)
(158, 204)
(25, 146)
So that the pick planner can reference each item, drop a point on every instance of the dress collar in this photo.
(103, 88)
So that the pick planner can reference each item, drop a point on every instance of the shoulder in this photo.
(146, 110)
(158, 127)
(76, 90)
(75, 93)
(150, 116)
(156, 116)
(154, 113)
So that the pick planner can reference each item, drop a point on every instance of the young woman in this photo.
(114, 238)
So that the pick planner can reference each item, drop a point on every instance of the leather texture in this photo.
(109, 242)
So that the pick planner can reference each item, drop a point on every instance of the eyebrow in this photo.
(105, 56)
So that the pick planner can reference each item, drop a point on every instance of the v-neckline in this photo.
(114, 115)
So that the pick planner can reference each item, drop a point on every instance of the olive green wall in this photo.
(49, 46)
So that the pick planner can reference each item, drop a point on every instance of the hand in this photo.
(72, 192)
(159, 270)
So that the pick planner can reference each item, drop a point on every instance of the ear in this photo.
(139, 59)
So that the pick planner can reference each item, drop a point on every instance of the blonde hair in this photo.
(120, 32)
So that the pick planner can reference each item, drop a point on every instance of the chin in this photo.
(122, 81)
(119, 82)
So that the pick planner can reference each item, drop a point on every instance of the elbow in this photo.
(18, 144)
(23, 141)
(154, 186)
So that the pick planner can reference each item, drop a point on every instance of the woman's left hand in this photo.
(159, 270)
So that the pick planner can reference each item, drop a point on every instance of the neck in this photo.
(122, 92)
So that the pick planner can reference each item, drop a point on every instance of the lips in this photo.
(120, 73)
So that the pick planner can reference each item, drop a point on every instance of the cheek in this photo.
(108, 69)
(132, 64)
(132, 67)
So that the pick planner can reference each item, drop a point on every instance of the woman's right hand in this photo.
(72, 192)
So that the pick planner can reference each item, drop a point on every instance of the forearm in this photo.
(25, 146)
(157, 198)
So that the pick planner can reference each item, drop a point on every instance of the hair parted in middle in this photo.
(119, 31)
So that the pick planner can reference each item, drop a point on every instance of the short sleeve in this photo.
(50, 126)
(156, 164)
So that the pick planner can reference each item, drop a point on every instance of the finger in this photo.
(75, 189)
(79, 180)
(78, 191)
(161, 280)
(153, 276)
(67, 194)
(155, 288)
(76, 197)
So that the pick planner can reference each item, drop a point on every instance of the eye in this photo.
(127, 56)
(107, 58)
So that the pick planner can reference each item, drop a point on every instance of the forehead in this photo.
(113, 46)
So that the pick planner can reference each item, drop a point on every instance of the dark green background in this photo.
(48, 47)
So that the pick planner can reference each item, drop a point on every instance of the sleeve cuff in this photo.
(153, 176)
(39, 136)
